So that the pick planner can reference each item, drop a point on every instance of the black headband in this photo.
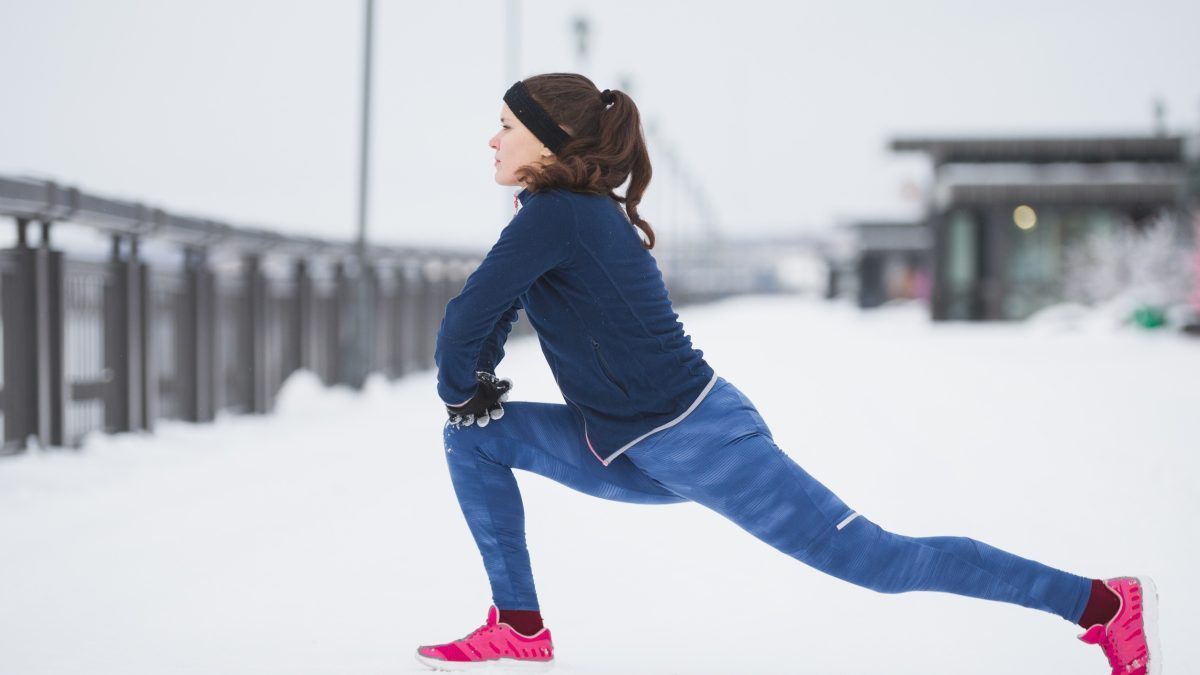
(535, 118)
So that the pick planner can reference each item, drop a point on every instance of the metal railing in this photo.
(185, 317)
(214, 320)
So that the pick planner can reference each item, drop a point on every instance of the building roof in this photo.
(1040, 150)
(891, 236)
(1119, 194)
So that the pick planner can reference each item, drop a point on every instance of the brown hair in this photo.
(606, 147)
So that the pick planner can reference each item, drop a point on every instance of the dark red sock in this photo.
(1102, 606)
(524, 621)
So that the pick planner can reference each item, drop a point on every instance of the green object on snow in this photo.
(1149, 316)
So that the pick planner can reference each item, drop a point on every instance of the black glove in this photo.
(484, 406)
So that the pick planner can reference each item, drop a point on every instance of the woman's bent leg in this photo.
(719, 460)
(543, 438)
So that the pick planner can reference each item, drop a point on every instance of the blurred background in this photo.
(992, 163)
(962, 207)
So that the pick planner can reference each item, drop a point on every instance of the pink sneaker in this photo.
(492, 643)
(1130, 639)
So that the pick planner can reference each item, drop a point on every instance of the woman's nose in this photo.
(493, 144)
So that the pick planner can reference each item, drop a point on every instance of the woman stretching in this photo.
(645, 419)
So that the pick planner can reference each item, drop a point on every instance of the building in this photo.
(881, 261)
(1003, 212)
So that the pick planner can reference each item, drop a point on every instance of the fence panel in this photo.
(116, 345)
(232, 379)
(86, 285)
(168, 305)
(323, 328)
(383, 288)
(279, 308)
(411, 319)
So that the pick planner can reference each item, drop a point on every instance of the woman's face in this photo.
(515, 147)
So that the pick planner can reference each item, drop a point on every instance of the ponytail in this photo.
(621, 125)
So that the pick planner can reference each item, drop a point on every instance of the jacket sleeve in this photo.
(538, 239)
(493, 348)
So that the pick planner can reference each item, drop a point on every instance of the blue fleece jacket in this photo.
(597, 301)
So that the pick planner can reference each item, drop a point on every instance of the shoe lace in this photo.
(478, 631)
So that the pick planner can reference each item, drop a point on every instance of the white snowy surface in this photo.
(326, 538)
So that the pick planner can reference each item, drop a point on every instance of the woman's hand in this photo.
(484, 406)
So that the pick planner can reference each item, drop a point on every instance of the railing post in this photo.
(123, 351)
(22, 233)
(343, 321)
(299, 333)
(117, 397)
(383, 309)
(374, 319)
(4, 273)
(19, 305)
(354, 331)
(33, 345)
(331, 330)
(148, 386)
(208, 377)
(252, 340)
(50, 341)
(188, 379)
(197, 363)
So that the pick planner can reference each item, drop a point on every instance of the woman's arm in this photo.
(538, 239)
(493, 348)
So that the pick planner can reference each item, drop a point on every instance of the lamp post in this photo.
(360, 335)
(583, 28)
(365, 138)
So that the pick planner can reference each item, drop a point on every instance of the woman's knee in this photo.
(460, 440)
(867, 555)
(467, 444)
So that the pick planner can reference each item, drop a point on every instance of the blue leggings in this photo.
(723, 457)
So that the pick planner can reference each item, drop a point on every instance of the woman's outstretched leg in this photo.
(542, 438)
(722, 456)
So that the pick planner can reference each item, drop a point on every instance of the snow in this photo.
(326, 538)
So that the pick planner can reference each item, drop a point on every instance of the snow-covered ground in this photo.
(326, 537)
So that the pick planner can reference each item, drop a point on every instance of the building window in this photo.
(961, 263)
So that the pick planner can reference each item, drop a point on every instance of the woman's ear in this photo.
(546, 152)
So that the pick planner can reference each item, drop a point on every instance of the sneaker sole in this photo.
(500, 665)
(1150, 625)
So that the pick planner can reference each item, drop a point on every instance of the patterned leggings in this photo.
(723, 457)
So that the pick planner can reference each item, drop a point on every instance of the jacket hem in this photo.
(607, 460)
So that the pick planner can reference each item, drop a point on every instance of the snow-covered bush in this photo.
(1149, 266)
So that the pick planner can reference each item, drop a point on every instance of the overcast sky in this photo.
(247, 110)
